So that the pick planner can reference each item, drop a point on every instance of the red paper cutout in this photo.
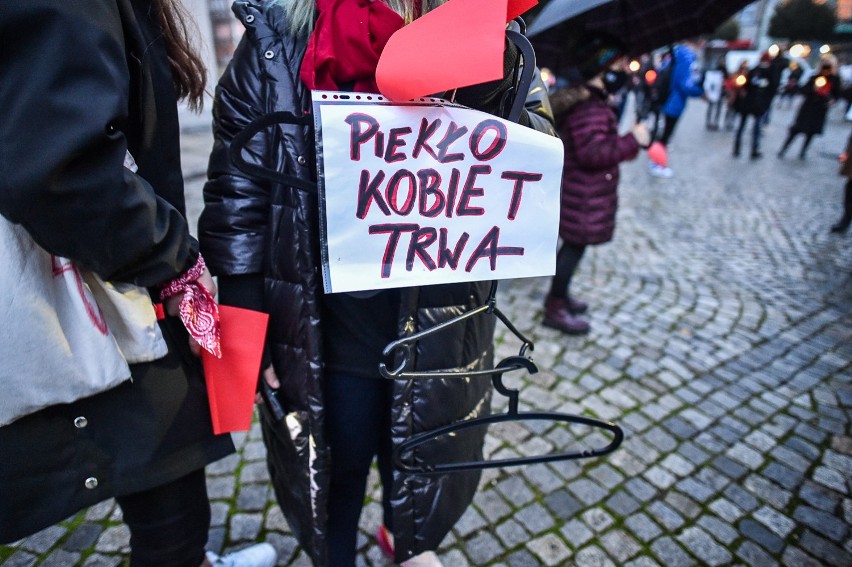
(518, 7)
(232, 379)
(458, 44)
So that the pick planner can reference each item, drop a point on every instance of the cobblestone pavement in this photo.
(721, 342)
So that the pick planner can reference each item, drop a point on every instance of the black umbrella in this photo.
(641, 25)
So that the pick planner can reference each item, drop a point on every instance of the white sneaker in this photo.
(425, 559)
(658, 170)
(257, 555)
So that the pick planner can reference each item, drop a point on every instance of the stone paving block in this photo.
(824, 523)
(515, 490)
(837, 461)
(764, 490)
(114, 539)
(746, 456)
(778, 523)
(98, 560)
(627, 463)
(254, 472)
(678, 465)
(597, 519)
(223, 466)
(697, 490)
(535, 518)
(61, 558)
(83, 537)
(642, 561)
(665, 515)
(620, 545)
(221, 487)
(606, 475)
(550, 550)
(587, 491)
(670, 553)
(44, 540)
(795, 557)
(492, 505)
(684, 505)
(452, 557)
(726, 509)
(542, 478)
(643, 527)
(659, 477)
(593, 556)
(562, 504)
(757, 533)
(831, 478)
(275, 520)
(522, 558)
(721, 531)
(622, 504)
(512, 533)
(469, 522)
(729, 468)
(216, 538)
(245, 527)
(536, 446)
(811, 433)
(701, 545)
(483, 548)
(819, 496)
(576, 533)
(823, 549)
(754, 555)
(253, 497)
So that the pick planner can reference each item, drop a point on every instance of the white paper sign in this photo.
(429, 192)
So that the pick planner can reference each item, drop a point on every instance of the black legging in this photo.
(168, 524)
(567, 260)
(792, 134)
(847, 204)
(668, 129)
(357, 420)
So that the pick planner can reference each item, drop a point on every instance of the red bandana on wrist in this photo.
(344, 48)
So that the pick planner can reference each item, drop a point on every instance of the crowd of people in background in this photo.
(589, 101)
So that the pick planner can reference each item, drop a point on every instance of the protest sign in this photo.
(427, 192)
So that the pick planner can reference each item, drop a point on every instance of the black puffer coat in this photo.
(252, 227)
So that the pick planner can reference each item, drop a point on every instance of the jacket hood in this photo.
(564, 100)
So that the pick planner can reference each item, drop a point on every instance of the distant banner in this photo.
(429, 192)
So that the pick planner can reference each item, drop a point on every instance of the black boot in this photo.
(842, 225)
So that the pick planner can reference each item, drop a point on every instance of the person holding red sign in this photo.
(588, 127)
(263, 241)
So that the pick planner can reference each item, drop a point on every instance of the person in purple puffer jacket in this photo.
(593, 149)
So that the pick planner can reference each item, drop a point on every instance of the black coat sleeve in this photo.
(233, 224)
(64, 91)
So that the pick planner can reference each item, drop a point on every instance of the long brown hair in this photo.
(188, 72)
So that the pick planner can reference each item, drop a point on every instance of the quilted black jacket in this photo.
(254, 227)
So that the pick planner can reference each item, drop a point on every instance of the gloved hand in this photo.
(487, 96)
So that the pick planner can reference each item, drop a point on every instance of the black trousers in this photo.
(847, 203)
(357, 420)
(668, 129)
(567, 260)
(168, 524)
(790, 136)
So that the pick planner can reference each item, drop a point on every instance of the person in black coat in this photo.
(820, 93)
(85, 85)
(262, 239)
(755, 98)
